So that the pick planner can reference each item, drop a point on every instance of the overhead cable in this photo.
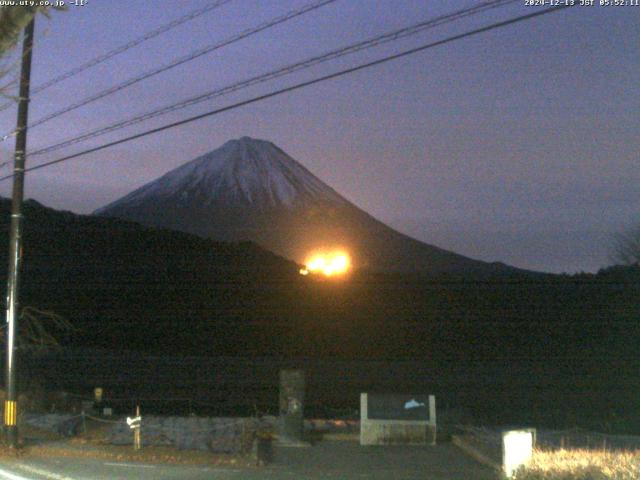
(182, 60)
(123, 48)
(282, 71)
(298, 86)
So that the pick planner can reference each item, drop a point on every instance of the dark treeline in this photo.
(570, 339)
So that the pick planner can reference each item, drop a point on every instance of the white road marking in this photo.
(130, 465)
(7, 475)
(43, 473)
(220, 469)
(12, 476)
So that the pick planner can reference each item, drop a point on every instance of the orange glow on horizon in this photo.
(328, 264)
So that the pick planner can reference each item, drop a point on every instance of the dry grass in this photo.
(582, 465)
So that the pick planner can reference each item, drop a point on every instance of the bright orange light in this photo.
(328, 264)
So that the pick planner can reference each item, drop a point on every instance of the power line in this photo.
(187, 58)
(123, 48)
(298, 86)
(289, 69)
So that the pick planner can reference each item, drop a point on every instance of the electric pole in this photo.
(15, 240)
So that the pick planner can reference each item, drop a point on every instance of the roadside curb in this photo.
(475, 453)
(155, 455)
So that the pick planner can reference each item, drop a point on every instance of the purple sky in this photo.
(520, 145)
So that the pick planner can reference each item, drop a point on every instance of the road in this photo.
(326, 460)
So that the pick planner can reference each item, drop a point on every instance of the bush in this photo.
(582, 465)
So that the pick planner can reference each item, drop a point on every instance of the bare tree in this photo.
(626, 249)
(38, 329)
(12, 22)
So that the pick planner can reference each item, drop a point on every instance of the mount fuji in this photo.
(251, 190)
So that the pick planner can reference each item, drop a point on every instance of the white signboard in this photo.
(517, 450)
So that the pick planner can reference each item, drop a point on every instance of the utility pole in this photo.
(15, 240)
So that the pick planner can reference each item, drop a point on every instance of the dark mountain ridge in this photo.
(123, 284)
(534, 342)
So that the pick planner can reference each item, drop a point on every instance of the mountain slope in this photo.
(123, 285)
(251, 190)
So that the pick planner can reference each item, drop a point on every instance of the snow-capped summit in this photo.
(250, 189)
(244, 171)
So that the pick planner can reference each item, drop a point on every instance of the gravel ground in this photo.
(87, 457)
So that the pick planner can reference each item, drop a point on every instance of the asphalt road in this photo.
(326, 460)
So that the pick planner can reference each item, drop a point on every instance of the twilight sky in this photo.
(520, 145)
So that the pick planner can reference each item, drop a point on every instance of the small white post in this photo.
(137, 438)
(432, 409)
(432, 416)
(135, 424)
(517, 450)
(364, 414)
